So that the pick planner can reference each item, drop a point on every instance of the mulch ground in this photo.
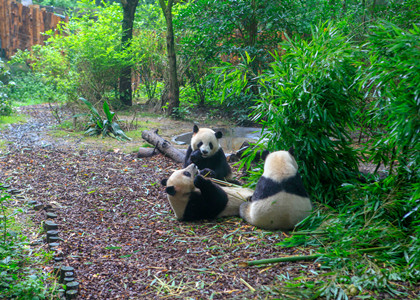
(121, 237)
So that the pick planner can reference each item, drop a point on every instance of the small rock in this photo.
(50, 225)
(53, 245)
(51, 215)
(38, 206)
(74, 285)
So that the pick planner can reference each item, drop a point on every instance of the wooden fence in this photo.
(21, 26)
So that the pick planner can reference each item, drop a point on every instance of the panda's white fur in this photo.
(184, 187)
(192, 197)
(236, 196)
(205, 152)
(280, 200)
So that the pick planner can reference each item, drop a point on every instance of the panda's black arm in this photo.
(203, 184)
(214, 198)
(207, 204)
(219, 165)
(187, 160)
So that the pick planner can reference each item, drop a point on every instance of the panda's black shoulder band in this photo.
(267, 187)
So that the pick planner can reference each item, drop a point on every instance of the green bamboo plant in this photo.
(107, 127)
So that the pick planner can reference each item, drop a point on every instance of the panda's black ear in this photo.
(164, 181)
(219, 135)
(264, 154)
(171, 190)
(292, 151)
(195, 128)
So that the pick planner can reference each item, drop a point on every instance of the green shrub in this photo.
(393, 78)
(236, 87)
(150, 64)
(381, 216)
(107, 127)
(308, 100)
(85, 57)
(32, 88)
(21, 276)
(5, 102)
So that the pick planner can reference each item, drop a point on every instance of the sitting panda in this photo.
(192, 197)
(280, 200)
(205, 152)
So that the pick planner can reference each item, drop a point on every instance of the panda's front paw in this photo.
(196, 156)
(199, 181)
(209, 173)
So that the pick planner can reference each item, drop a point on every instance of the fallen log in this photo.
(146, 152)
(164, 146)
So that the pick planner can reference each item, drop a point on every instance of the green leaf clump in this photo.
(107, 127)
(307, 102)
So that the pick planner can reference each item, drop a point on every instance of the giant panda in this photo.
(280, 200)
(193, 197)
(205, 152)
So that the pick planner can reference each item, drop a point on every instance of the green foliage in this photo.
(107, 127)
(393, 78)
(234, 25)
(86, 58)
(5, 84)
(32, 88)
(60, 3)
(383, 214)
(236, 86)
(20, 277)
(307, 101)
(372, 218)
(211, 29)
(150, 60)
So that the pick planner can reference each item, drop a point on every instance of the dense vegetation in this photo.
(337, 80)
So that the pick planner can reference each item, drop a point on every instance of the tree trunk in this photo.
(173, 94)
(129, 9)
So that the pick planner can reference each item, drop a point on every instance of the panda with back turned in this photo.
(205, 152)
(280, 200)
(193, 197)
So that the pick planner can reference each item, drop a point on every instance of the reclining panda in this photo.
(205, 152)
(280, 200)
(193, 197)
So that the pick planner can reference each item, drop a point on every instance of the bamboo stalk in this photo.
(282, 259)
(307, 232)
(307, 257)
(224, 183)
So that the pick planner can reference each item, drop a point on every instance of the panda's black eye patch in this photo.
(211, 145)
(200, 144)
(188, 174)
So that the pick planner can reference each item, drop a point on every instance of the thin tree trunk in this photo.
(173, 95)
(129, 9)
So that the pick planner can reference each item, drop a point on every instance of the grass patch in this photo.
(21, 273)
(14, 119)
(3, 145)
(136, 134)
(63, 133)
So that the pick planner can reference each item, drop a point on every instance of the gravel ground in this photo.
(119, 233)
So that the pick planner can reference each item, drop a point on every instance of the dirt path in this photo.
(118, 230)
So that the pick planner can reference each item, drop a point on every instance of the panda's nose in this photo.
(204, 152)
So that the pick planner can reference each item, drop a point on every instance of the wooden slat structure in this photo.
(21, 26)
